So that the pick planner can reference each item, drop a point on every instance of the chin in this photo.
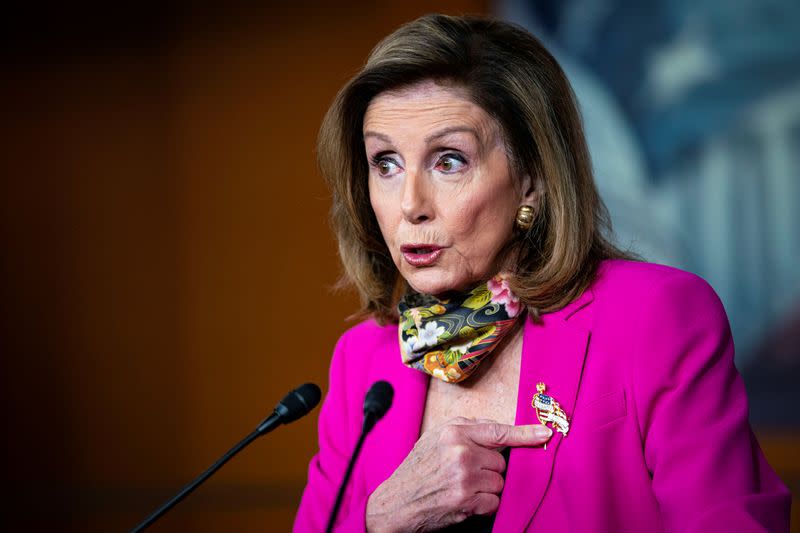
(432, 282)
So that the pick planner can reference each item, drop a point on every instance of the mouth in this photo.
(421, 255)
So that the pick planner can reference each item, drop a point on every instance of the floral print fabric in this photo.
(449, 338)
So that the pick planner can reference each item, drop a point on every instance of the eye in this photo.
(385, 166)
(450, 163)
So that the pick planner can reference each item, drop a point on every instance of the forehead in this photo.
(427, 105)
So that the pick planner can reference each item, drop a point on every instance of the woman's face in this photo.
(440, 184)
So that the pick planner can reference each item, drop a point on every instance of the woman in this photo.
(543, 380)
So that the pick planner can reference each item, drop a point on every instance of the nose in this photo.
(416, 202)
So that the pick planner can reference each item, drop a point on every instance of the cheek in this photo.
(483, 224)
(382, 207)
(375, 200)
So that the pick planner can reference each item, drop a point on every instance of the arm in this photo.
(338, 431)
(708, 471)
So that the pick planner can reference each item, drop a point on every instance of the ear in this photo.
(531, 192)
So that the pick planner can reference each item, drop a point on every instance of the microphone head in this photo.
(298, 402)
(378, 399)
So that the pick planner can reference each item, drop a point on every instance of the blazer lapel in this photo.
(552, 353)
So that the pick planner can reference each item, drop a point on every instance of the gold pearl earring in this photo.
(524, 217)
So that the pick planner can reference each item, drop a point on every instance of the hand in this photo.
(454, 471)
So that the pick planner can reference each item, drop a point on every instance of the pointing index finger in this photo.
(496, 435)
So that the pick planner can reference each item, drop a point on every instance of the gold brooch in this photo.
(548, 410)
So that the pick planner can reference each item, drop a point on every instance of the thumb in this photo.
(496, 435)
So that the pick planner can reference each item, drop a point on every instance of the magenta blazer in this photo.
(659, 438)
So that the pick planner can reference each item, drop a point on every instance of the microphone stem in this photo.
(266, 426)
(369, 423)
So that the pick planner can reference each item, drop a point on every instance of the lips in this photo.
(421, 255)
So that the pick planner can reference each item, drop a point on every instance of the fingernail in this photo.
(543, 431)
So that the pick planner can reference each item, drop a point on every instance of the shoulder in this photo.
(634, 285)
(651, 308)
(362, 344)
(359, 351)
(622, 274)
(368, 335)
(668, 321)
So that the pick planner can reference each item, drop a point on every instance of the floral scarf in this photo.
(448, 338)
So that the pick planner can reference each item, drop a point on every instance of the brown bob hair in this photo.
(507, 72)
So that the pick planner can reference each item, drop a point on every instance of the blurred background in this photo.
(164, 235)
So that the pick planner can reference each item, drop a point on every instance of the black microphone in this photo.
(377, 402)
(294, 405)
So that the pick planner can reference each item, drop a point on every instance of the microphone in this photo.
(294, 405)
(297, 404)
(376, 403)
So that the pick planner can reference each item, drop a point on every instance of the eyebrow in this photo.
(380, 136)
(430, 138)
(453, 129)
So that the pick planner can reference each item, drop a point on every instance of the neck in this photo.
(505, 355)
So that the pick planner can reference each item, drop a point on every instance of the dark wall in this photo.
(166, 261)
